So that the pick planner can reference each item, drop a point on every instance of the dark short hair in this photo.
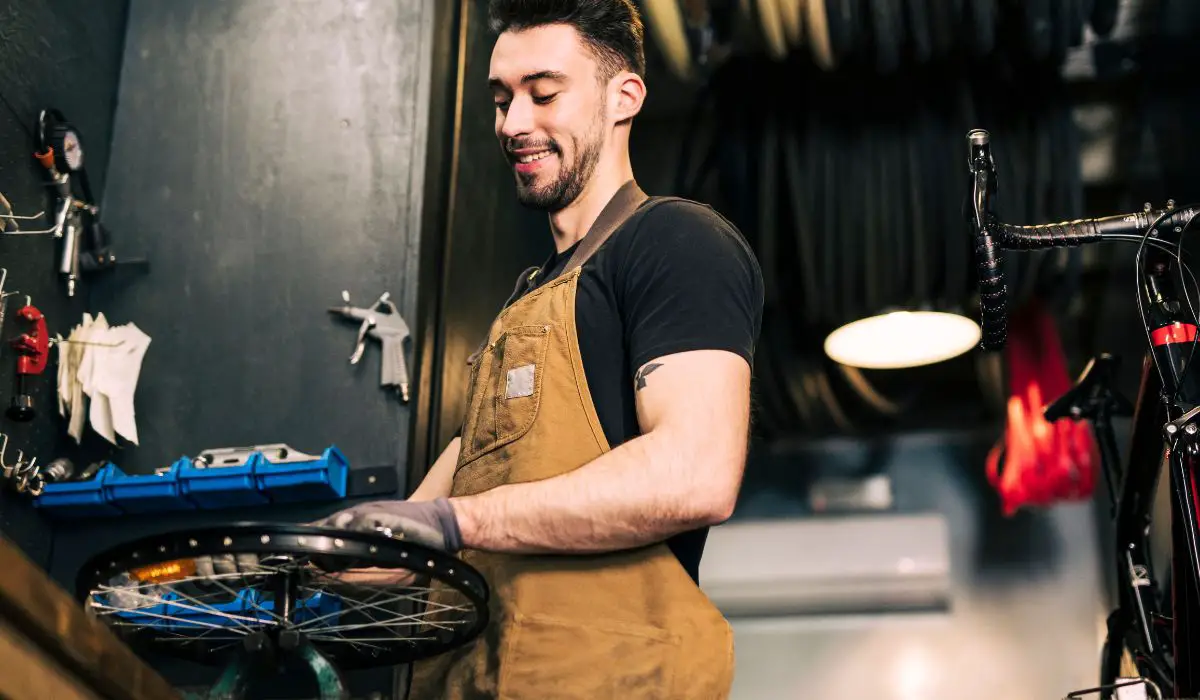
(612, 29)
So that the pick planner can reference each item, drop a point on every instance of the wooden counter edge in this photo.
(58, 624)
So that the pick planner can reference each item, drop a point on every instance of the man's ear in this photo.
(626, 96)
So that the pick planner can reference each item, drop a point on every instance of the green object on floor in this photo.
(235, 678)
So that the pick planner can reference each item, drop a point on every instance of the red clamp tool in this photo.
(33, 352)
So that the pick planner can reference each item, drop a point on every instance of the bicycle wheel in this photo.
(270, 585)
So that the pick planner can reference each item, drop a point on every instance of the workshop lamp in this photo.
(902, 339)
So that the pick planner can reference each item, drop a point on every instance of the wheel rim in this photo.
(277, 595)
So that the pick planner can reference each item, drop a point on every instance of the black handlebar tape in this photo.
(1064, 234)
(993, 292)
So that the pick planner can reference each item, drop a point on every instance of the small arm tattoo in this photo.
(641, 374)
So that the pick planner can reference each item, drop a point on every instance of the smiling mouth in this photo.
(532, 157)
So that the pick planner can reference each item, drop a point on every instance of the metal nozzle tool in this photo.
(382, 321)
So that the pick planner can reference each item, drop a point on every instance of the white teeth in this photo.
(533, 157)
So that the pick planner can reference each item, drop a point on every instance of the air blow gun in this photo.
(382, 322)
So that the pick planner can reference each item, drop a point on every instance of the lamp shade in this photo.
(901, 339)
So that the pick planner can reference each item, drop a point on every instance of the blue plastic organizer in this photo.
(223, 486)
(186, 486)
(320, 479)
(147, 493)
(80, 499)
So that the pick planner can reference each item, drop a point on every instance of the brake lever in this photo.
(983, 171)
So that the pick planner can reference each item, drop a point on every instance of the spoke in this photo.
(398, 618)
(347, 640)
(362, 606)
(251, 602)
(309, 623)
(176, 635)
(214, 610)
(372, 639)
(198, 638)
(408, 621)
(204, 610)
(190, 622)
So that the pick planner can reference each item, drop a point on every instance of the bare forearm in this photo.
(642, 492)
(440, 477)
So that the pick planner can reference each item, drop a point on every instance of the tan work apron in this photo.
(629, 625)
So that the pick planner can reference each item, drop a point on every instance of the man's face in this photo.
(550, 112)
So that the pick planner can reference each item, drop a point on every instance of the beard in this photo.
(572, 177)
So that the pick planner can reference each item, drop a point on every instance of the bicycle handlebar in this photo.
(992, 237)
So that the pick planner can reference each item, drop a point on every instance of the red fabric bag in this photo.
(1038, 463)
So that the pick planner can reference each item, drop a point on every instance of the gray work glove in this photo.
(429, 523)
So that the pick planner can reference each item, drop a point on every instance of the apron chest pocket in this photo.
(507, 390)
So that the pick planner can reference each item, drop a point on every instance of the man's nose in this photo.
(518, 121)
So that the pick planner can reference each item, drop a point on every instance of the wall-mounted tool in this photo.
(85, 246)
(381, 321)
(60, 151)
(33, 350)
(61, 469)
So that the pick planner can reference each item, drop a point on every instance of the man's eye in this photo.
(545, 99)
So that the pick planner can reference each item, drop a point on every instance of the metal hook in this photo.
(57, 339)
(30, 233)
(17, 217)
(3, 294)
(27, 474)
(9, 469)
(28, 469)
(7, 213)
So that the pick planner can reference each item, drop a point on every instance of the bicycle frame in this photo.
(1163, 426)
(1166, 427)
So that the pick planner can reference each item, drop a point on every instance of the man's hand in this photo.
(428, 523)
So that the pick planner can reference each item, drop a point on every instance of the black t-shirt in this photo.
(676, 276)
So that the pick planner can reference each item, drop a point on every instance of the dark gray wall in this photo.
(490, 238)
(266, 157)
(65, 54)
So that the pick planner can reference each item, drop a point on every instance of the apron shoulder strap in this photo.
(623, 204)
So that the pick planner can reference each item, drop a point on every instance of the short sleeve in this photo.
(688, 281)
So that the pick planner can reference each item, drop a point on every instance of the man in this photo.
(608, 411)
